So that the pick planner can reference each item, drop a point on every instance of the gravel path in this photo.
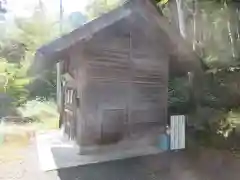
(142, 168)
(24, 167)
(210, 165)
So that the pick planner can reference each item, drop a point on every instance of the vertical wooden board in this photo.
(148, 54)
(148, 37)
(149, 74)
(107, 86)
(149, 69)
(172, 134)
(147, 115)
(182, 140)
(146, 128)
(99, 96)
(80, 84)
(90, 127)
(148, 103)
(149, 94)
(114, 37)
(76, 55)
(70, 117)
(108, 64)
(79, 124)
(108, 53)
(177, 140)
(114, 65)
(113, 125)
(102, 94)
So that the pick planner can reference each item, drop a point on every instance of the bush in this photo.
(215, 128)
(44, 113)
(179, 96)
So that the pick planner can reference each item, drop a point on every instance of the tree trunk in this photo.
(181, 19)
(195, 88)
(194, 24)
(238, 23)
(231, 39)
(231, 31)
(59, 64)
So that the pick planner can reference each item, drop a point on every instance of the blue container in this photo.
(164, 142)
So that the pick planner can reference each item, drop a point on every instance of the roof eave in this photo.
(50, 54)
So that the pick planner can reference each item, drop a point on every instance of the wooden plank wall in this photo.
(107, 90)
(126, 75)
(149, 77)
(77, 69)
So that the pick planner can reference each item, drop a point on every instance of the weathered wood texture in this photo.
(69, 111)
(118, 65)
(182, 55)
(122, 82)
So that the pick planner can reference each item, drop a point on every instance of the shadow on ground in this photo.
(209, 165)
(141, 168)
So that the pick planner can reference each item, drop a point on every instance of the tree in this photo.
(181, 18)
(15, 81)
(76, 19)
(33, 33)
(12, 50)
(3, 6)
(17, 52)
(98, 7)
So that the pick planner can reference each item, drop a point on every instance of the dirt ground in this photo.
(22, 164)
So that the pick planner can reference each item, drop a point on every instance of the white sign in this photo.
(177, 135)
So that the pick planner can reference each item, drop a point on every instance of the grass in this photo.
(16, 136)
(44, 114)
(9, 153)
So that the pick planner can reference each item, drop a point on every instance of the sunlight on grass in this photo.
(44, 115)
(16, 136)
(15, 139)
(10, 152)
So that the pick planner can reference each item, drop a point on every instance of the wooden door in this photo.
(70, 118)
(113, 125)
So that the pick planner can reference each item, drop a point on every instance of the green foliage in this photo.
(44, 86)
(227, 124)
(34, 32)
(15, 81)
(178, 95)
(18, 49)
(221, 89)
(213, 27)
(162, 2)
(43, 113)
(13, 51)
(217, 115)
(99, 7)
(216, 128)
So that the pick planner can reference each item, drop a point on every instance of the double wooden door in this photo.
(69, 114)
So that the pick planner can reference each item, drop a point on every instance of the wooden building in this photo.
(114, 76)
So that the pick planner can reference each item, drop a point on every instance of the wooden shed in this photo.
(114, 76)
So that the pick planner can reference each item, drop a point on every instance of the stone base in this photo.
(55, 152)
(137, 141)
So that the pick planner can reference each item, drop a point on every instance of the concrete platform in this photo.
(56, 152)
